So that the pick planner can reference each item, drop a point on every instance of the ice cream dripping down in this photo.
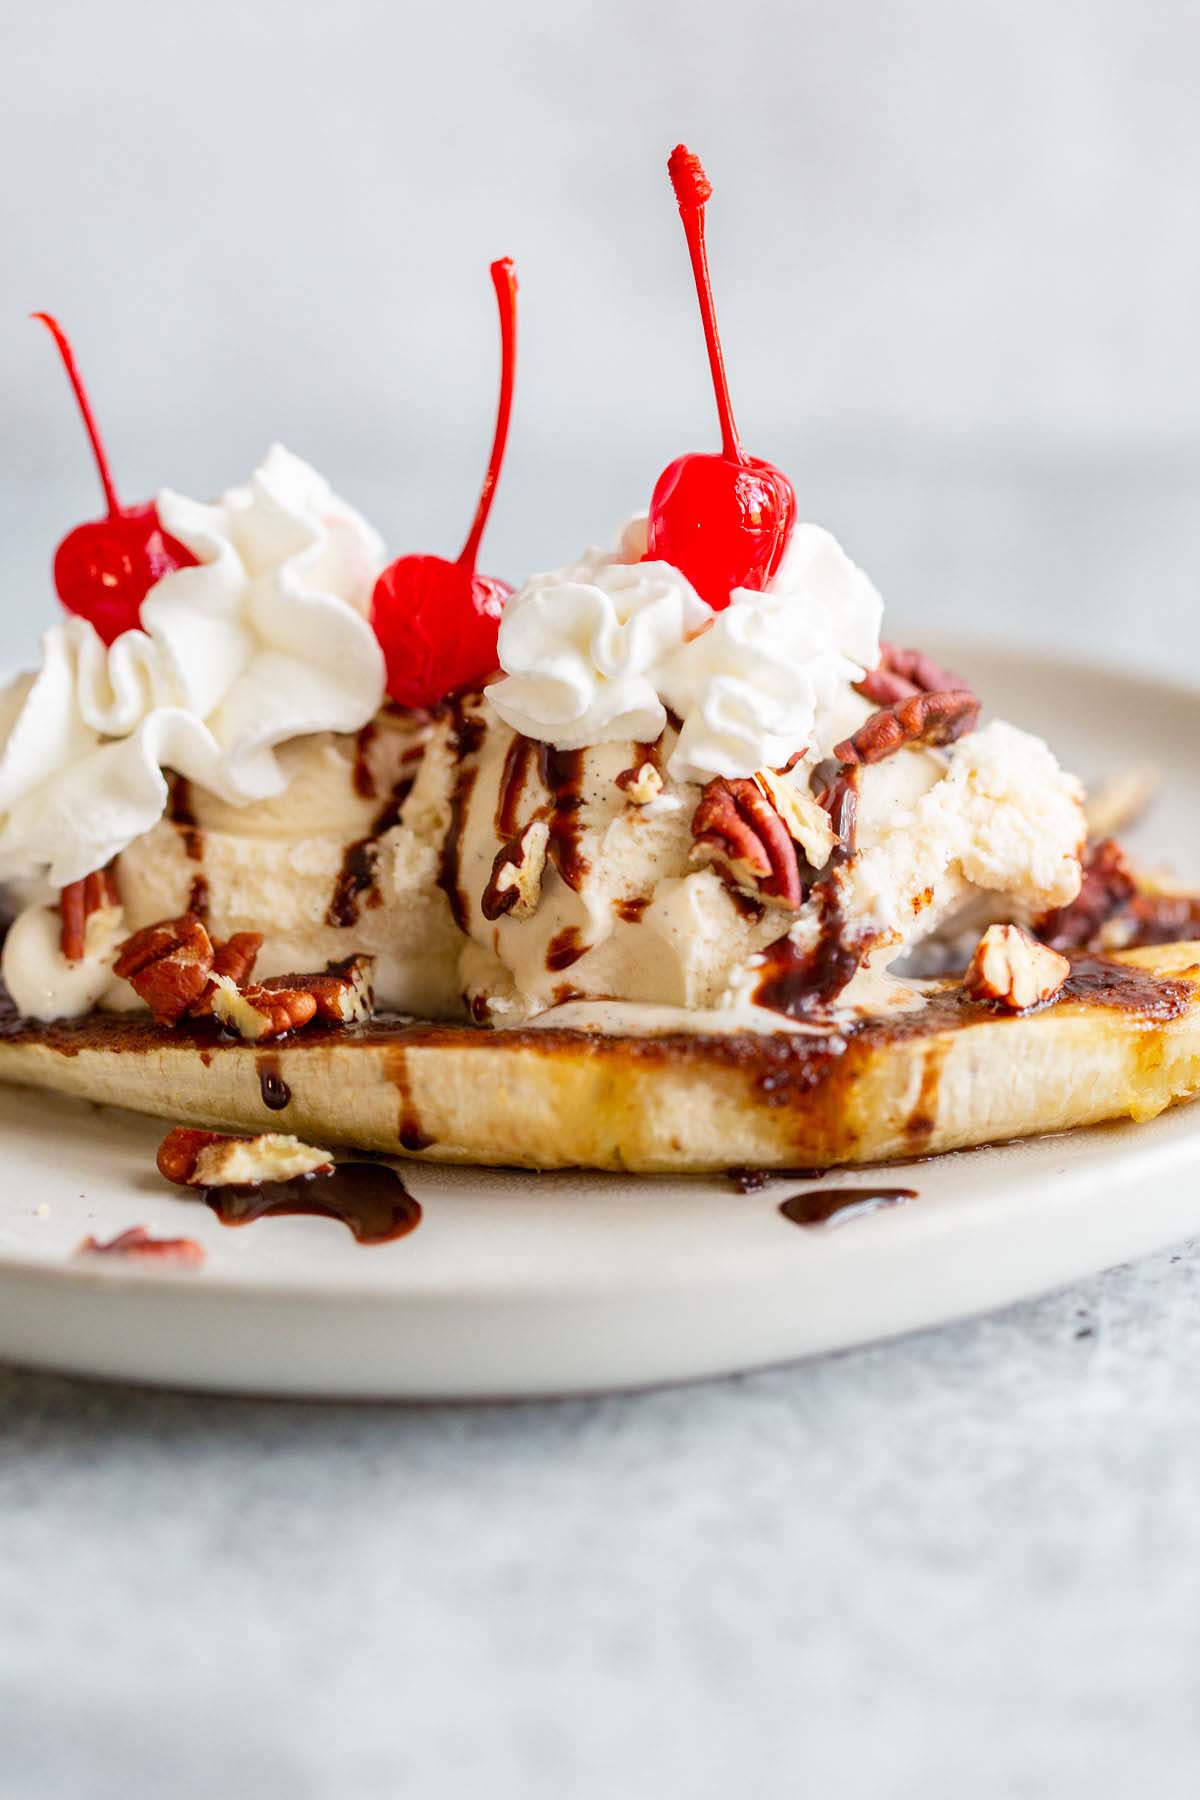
(437, 620)
(724, 520)
(104, 569)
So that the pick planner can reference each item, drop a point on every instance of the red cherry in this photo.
(725, 520)
(437, 620)
(103, 570)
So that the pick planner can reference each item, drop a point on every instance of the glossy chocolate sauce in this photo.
(564, 949)
(820, 1206)
(467, 736)
(369, 1198)
(276, 1094)
(183, 817)
(409, 1130)
(355, 878)
(358, 875)
(632, 909)
(364, 780)
(562, 773)
(519, 763)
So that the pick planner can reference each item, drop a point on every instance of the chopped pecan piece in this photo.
(1014, 970)
(642, 784)
(235, 959)
(139, 1245)
(344, 992)
(932, 719)
(90, 911)
(737, 828)
(806, 819)
(901, 673)
(168, 966)
(258, 1013)
(515, 883)
(214, 1159)
(1108, 883)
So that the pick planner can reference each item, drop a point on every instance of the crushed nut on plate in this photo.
(212, 1159)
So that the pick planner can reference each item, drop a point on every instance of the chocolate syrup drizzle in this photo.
(518, 766)
(276, 1094)
(797, 979)
(360, 860)
(183, 817)
(564, 949)
(467, 735)
(369, 1198)
(820, 1206)
(562, 773)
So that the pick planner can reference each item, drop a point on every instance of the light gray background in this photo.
(955, 248)
(958, 264)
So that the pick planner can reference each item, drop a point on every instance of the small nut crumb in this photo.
(1014, 970)
(641, 785)
(807, 821)
(213, 1159)
(515, 884)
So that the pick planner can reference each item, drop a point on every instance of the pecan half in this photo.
(515, 883)
(1014, 970)
(901, 673)
(932, 719)
(737, 829)
(1108, 883)
(214, 1159)
(85, 905)
(168, 966)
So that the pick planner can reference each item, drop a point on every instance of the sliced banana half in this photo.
(1122, 1040)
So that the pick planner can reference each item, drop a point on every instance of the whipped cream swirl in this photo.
(600, 650)
(264, 640)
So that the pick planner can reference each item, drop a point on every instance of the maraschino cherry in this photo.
(723, 520)
(103, 570)
(437, 620)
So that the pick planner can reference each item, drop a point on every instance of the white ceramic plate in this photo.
(517, 1284)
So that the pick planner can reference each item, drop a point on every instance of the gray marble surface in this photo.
(966, 1562)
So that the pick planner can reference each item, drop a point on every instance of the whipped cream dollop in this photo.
(598, 651)
(264, 640)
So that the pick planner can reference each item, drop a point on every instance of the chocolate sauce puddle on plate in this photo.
(822, 1206)
(370, 1198)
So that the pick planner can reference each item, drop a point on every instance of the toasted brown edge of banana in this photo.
(893, 1088)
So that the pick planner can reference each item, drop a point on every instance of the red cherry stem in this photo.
(504, 280)
(692, 190)
(85, 406)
